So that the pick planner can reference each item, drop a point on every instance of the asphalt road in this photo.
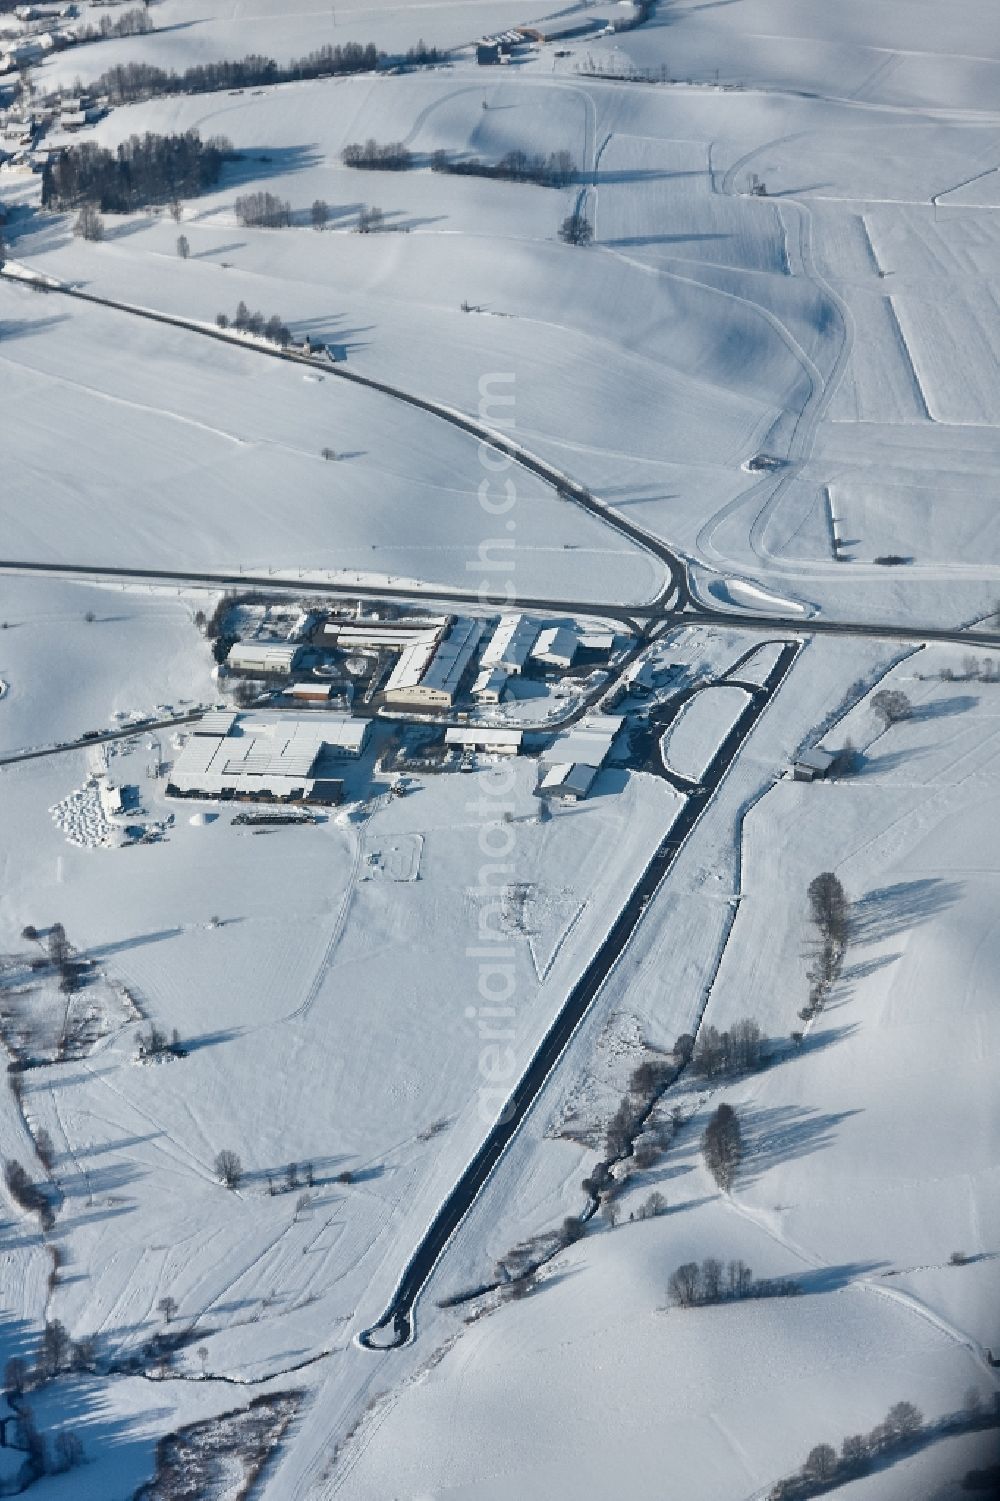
(396, 1324)
(634, 616)
(82, 742)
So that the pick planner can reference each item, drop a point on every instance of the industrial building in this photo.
(588, 742)
(556, 647)
(429, 673)
(383, 635)
(266, 760)
(267, 657)
(483, 738)
(566, 781)
(490, 685)
(315, 692)
(511, 643)
(572, 761)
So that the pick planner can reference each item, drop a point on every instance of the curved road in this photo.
(568, 489)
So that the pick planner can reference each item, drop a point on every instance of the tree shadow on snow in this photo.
(830, 1279)
(256, 164)
(940, 708)
(890, 910)
(782, 1133)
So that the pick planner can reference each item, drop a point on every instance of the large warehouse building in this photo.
(428, 673)
(266, 760)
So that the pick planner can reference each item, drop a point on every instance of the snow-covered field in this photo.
(870, 1155)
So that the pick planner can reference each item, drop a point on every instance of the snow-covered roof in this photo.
(491, 680)
(557, 644)
(483, 735)
(816, 759)
(589, 741)
(569, 776)
(279, 655)
(215, 722)
(439, 666)
(511, 642)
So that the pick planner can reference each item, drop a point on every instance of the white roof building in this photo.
(567, 780)
(490, 684)
(511, 643)
(385, 635)
(429, 673)
(264, 656)
(483, 738)
(216, 722)
(588, 742)
(557, 646)
(266, 759)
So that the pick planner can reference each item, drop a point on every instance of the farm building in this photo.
(510, 645)
(812, 765)
(483, 738)
(269, 657)
(428, 674)
(556, 646)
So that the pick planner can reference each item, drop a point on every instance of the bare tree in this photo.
(904, 1420)
(183, 248)
(370, 220)
(722, 1145)
(43, 1146)
(576, 229)
(821, 1463)
(89, 225)
(320, 214)
(16, 1376)
(168, 1307)
(891, 705)
(67, 1451)
(229, 1168)
(685, 1284)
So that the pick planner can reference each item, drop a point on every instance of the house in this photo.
(429, 673)
(566, 781)
(266, 657)
(510, 645)
(482, 738)
(556, 647)
(488, 53)
(812, 765)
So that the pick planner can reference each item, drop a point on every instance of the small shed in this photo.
(812, 765)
